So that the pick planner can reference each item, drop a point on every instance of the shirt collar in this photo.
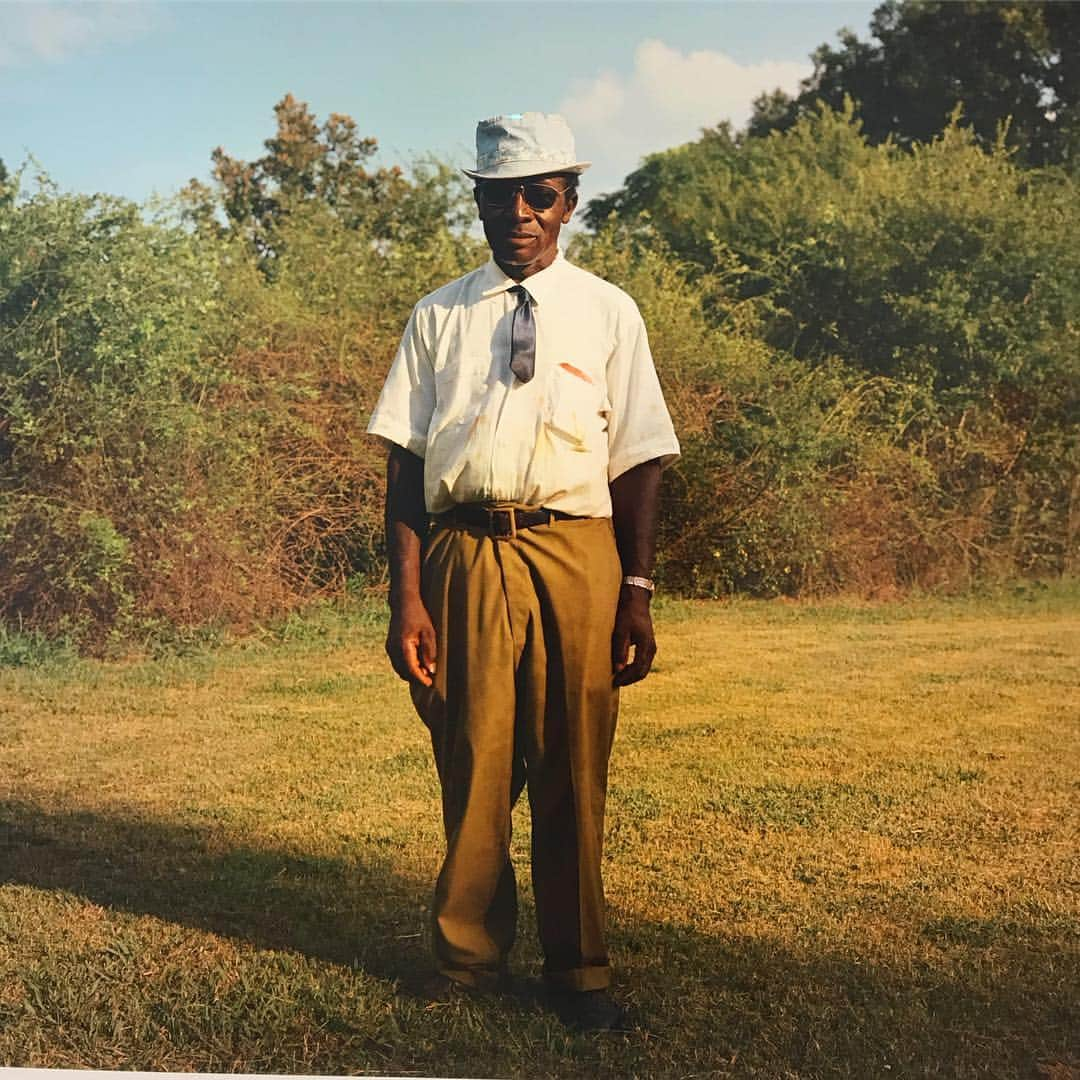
(495, 281)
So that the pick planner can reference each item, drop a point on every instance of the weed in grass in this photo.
(32, 648)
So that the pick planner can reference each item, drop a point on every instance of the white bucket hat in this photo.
(524, 144)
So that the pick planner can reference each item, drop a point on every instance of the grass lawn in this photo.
(842, 842)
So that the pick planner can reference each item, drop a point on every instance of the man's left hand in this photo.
(633, 626)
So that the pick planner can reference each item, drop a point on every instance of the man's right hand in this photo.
(410, 642)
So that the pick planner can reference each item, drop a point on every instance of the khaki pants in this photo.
(523, 694)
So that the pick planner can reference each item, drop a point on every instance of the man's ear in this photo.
(571, 203)
(476, 199)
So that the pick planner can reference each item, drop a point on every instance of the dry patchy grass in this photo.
(842, 841)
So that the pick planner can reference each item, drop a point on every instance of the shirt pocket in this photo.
(576, 407)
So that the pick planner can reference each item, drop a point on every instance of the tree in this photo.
(999, 61)
(7, 187)
(327, 167)
(945, 262)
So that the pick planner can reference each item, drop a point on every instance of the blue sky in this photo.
(132, 97)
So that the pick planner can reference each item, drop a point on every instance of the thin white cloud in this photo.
(35, 32)
(666, 100)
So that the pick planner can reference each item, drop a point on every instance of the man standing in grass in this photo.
(527, 432)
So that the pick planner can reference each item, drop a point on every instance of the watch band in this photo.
(641, 582)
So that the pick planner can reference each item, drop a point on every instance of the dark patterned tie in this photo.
(523, 336)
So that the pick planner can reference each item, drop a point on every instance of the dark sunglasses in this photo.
(501, 193)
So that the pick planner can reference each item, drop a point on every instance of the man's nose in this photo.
(519, 207)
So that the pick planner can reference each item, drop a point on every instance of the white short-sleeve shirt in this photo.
(592, 410)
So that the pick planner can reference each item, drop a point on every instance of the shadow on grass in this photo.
(753, 1006)
(356, 913)
(714, 1004)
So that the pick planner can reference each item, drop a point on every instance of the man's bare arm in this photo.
(410, 640)
(635, 497)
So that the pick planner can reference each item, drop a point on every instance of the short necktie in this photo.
(523, 336)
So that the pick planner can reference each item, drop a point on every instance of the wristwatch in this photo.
(641, 582)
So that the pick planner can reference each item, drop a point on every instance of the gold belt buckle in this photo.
(497, 529)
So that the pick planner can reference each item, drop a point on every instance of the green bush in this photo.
(183, 401)
(103, 377)
(909, 322)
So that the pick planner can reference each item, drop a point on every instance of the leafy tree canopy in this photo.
(944, 264)
(328, 167)
(998, 60)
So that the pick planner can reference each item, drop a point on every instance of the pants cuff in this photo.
(578, 979)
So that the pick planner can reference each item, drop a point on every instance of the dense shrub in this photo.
(182, 406)
(104, 431)
(915, 318)
(308, 356)
(871, 356)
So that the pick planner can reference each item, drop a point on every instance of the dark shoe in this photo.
(437, 989)
(590, 1010)
(440, 989)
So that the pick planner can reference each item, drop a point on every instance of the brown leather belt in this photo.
(501, 523)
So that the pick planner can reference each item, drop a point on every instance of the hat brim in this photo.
(521, 170)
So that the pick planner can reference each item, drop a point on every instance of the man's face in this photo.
(523, 234)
